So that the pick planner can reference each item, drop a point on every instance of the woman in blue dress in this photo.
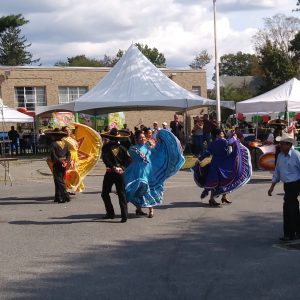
(229, 169)
(150, 167)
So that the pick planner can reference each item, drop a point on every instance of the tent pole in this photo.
(2, 140)
(256, 131)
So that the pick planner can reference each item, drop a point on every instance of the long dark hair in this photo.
(216, 131)
(137, 134)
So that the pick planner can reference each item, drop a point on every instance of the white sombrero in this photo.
(286, 138)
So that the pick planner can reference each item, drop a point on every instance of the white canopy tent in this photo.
(285, 97)
(10, 115)
(134, 83)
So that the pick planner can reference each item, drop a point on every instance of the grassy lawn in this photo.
(189, 161)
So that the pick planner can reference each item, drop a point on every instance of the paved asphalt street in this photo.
(187, 251)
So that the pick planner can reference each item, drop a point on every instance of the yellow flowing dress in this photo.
(73, 148)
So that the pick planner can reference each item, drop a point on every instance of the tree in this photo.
(239, 64)
(12, 45)
(275, 51)
(202, 59)
(83, 61)
(278, 30)
(277, 66)
(80, 61)
(153, 55)
(295, 49)
(156, 57)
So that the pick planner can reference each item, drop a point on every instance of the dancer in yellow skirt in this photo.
(74, 164)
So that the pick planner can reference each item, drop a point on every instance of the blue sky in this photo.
(178, 28)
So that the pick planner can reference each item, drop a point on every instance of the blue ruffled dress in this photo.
(145, 176)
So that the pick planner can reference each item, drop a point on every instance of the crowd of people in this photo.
(23, 141)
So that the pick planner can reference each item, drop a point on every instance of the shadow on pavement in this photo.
(22, 200)
(75, 219)
(206, 260)
(259, 180)
(184, 204)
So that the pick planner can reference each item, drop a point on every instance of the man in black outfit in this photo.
(116, 159)
(13, 136)
(176, 127)
(60, 156)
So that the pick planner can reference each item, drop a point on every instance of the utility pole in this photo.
(217, 68)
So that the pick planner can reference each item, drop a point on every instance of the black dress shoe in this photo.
(106, 217)
(139, 212)
(123, 220)
(287, 238)
(204, 193)
(213, 203)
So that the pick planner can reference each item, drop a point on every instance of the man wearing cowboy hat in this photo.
(116, 159)
(60, 157)
(288, 171)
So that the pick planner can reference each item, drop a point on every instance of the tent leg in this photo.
(185, 127)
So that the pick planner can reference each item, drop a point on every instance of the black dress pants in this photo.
(61, 194)
(111, 178)
(291, 214)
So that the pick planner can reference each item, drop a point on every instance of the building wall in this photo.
(53, 77)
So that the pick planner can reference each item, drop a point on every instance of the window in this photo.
(30, 97)
(68, 94)
(196, 90)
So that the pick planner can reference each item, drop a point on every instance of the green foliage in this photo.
(80, 61)
(239, 64)
(12, 21)
(235, 94)
(277, 47)
(202, 59)
(153, 55)
(295, 49)
(13, 46)
(277, 66)
(156, 57)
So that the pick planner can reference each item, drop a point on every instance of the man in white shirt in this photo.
(155, 130)
(288, 171)
(164, 126)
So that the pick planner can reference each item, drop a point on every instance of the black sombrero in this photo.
(115, 135)
(278, 122)
(56, 133)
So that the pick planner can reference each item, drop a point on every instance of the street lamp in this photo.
(217, 68)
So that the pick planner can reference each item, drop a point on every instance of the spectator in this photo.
(125, 128)
(207, 128)
(13, 136)
(197, 137)
(22, 142)
(176, 127)
(164, 126)
(155, 130)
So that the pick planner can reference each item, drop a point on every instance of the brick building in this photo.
(38, 86)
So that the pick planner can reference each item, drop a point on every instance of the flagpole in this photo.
(217, 68)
